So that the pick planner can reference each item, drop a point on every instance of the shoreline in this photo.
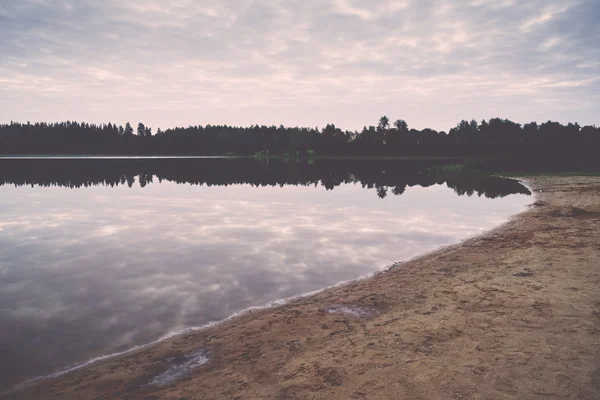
(271, 305)
(127, 374)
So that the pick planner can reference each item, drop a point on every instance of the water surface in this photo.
(97, 258)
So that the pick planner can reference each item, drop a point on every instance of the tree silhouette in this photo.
(384, 123)
(128, 129)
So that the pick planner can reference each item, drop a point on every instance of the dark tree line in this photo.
(496, 137)
(383, 176)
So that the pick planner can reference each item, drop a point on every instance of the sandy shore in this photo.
(514, 314)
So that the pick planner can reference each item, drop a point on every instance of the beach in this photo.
(511, 314)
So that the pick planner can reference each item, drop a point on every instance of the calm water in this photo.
(97, 258)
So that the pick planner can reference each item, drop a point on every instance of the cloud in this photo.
(546, 15)
(180, 62)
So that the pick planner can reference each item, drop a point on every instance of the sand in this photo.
(513, 314)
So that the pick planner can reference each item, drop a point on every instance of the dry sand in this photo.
(513, 314)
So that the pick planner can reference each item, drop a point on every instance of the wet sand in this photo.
(513, 314)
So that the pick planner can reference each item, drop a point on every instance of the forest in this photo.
(496, 137)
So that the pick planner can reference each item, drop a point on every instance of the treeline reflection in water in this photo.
(384, 176)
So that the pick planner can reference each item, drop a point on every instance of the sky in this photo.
(173, 63)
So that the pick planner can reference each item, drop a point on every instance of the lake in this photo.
(100, 255)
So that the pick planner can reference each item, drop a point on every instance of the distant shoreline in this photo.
(133, 156)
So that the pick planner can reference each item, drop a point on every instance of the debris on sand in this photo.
(395, 265)
(352, 311)
(181, 367)
(523, 274)
(294, 345)
(573, 212)
(332, 376)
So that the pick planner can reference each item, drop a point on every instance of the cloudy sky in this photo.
(299, 62)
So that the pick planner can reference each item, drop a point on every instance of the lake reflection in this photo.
(100, 269)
